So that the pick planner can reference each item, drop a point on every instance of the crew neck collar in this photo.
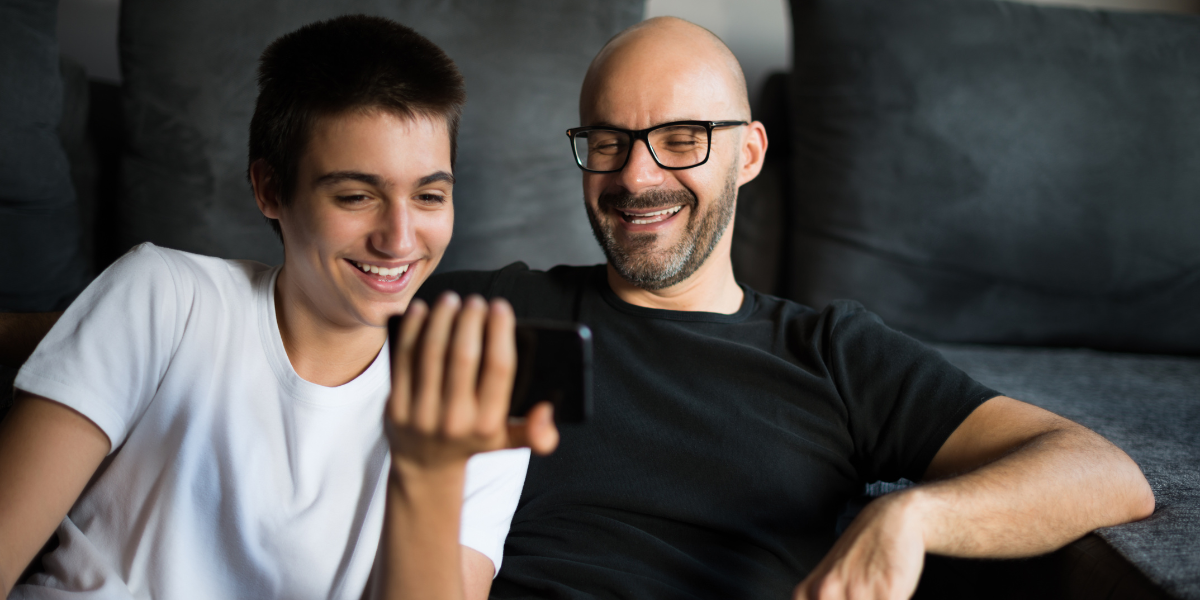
(600, 280)
(375, 376)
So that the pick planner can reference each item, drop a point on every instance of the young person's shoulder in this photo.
(152, 268)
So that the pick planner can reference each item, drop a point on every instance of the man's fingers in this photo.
(431, 363)
(462, 367)
(499, 365)
(402, 361)
(538, 431)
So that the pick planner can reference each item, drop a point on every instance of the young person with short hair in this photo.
(195, 427)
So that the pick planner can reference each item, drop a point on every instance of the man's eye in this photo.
(681, 143)
(607, 148)
(352, 198)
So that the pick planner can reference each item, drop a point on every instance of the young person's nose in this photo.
(641, 171)
(395, 233)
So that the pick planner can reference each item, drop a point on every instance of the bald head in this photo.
(663, 69)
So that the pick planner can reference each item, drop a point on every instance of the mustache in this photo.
(649, 199)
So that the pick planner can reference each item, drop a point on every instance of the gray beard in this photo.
(638, 263)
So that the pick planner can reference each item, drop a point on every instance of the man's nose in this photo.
(640, 170)
(395, 235)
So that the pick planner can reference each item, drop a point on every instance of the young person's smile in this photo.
(371, 216)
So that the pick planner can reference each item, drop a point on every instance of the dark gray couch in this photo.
(952, 225)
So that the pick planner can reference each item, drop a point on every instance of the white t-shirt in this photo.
(230, 476)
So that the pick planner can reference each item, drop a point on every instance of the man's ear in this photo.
(754, 152)
(266, 189)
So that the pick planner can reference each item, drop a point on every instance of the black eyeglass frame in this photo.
(644, 135)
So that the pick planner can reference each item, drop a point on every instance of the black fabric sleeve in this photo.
(902, 397)
(484, 283)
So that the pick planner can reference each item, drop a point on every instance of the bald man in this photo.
(731, 427)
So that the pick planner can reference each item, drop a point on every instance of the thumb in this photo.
(537, 431)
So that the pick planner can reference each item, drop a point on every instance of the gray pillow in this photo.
(988, 171)
(189, 74)
(41, 262)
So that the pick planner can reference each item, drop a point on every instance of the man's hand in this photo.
(879, 556)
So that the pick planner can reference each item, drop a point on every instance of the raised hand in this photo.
(452, 379)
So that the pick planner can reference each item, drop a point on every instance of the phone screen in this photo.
(554, 364)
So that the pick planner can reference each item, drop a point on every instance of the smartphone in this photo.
(554, 364)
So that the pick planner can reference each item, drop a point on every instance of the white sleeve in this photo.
(108, 352)
(493, 487)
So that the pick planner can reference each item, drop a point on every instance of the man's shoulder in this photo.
(516, 282)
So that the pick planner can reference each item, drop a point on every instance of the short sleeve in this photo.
(463, 283)
(493, 488)
(107, 354)
(903, 399)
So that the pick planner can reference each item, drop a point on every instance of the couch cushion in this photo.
(189, 74)
(988, 171)
(41, 262)
(1147, 405)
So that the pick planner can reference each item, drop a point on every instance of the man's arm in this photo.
(1013, 480)
(20, 334)
(48, 452)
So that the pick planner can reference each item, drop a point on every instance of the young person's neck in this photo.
(320, 351)
(712, 288)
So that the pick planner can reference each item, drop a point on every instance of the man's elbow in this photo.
(1136, 497)
(1143, 501)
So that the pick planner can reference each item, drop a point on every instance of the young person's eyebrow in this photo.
(340, 176)
(436, 177)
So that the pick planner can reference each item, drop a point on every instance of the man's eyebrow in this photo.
(340, 176)
(436, 177)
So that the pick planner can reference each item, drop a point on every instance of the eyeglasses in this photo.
(675, 146)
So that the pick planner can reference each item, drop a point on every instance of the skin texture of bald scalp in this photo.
(659, 71)
(665, 38)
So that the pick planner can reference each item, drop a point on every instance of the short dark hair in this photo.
(355, 62)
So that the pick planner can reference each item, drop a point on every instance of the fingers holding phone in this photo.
(453, 367)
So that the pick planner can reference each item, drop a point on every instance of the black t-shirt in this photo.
(722, 447)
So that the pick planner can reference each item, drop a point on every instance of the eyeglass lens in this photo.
(675, 146)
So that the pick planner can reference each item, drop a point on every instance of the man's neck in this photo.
(712, 288)
(320, 351)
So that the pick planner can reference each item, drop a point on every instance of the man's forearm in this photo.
(1050, 491)
(20, 334)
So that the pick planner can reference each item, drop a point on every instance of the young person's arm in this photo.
(48, 453)
(452, 379)
(20, 334)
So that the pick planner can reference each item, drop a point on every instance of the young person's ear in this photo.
(266, 189)
(754, 152)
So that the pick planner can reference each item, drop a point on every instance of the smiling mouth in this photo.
(650, 217)
(383, 273)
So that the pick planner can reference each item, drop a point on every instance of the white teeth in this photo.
(646, 218)
(384, 272)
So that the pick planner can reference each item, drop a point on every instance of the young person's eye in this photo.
(432, 198)
(352, 198)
